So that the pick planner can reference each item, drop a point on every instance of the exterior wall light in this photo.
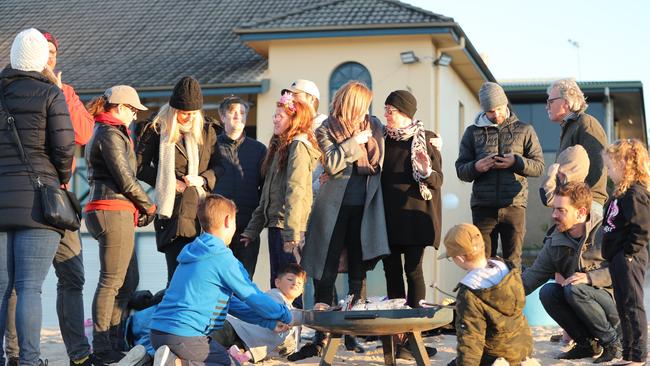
(408, 57)
(443, 60)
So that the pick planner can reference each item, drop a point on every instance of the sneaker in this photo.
(611, 351)
(137, 356)
(404, 351)
(591, 349)
(306, 351)
(164, 357)
(351, 344)
(86, 361)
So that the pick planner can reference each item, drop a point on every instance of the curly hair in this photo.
(571, 92)
(631, 157)
(301, 121)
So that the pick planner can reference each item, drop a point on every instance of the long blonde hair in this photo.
(631, 156)
(351, 102)
(166, 123)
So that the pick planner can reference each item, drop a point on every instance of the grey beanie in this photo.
(491, 96)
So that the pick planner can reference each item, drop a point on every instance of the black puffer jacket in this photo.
(500, 187)
(183, 221)
(45, 131)
(111, 167)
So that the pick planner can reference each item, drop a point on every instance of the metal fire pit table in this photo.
(382, 323)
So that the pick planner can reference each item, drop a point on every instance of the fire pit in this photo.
(383, 323)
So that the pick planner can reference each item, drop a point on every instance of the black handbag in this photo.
(60, 207)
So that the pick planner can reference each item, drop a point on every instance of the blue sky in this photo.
(529, 39)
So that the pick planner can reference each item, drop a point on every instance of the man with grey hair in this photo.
(566, 105)
(497, 153)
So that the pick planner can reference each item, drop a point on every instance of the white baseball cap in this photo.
(124, 94)
(303, 86)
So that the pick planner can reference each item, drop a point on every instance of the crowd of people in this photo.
(337, 193)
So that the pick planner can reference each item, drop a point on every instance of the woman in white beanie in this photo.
(27, 241)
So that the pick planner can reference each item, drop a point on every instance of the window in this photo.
(346, 72)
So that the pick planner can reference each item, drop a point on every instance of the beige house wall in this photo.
(316, 59)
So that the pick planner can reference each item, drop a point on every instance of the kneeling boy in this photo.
(201, 291)
(489, 322)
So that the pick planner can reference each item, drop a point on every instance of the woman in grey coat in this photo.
(348, 213)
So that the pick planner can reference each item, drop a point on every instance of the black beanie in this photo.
(404, 101)
(187, 95)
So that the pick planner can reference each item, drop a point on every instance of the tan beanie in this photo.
(574, 163)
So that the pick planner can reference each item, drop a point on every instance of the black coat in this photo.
(183, 221)
(44, 127)
(410, 220)
(111, 167)
(242, 179)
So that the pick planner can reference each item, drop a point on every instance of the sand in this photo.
(53, 349)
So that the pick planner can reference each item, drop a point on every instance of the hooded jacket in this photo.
(208, 284)
(287, 194)
(490, 323)
(500, 187)
(564, 255)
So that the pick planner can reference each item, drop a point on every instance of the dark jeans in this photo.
(247, 255)
(25, 258)
(628, 273)
(585, 312)
(197, 351)
(227, 337)
(509, 223)
(346, 234)
(279, 258)
(394, 273)
(118, 275)
(172, 250)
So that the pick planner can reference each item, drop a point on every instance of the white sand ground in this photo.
(52, 348)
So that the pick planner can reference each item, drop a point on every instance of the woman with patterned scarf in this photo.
(176, 155)
(411, 181)
(348, 213)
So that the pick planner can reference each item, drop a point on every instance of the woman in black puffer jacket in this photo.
(117, 203)
(27, 242)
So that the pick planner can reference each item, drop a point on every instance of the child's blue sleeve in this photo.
(238, 281)
(244, 312)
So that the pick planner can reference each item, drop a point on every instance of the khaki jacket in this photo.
(287, 194)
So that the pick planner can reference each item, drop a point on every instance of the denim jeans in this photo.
(196, 351)
(172, 250)
(247, 255)
(279, 258)
(69, 269)
(394, 273)
(584, 311)
(509, 223)
(628, 274)
(25, 258)
(118, 275)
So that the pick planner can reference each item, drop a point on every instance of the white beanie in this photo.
(30, 51)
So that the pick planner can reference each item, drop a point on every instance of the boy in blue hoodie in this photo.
(201, 291)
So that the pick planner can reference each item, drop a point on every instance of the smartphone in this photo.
(497, 156)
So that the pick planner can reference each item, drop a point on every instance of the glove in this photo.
(194, 180)
(145, 218)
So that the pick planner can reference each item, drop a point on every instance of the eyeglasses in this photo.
(550, 100)
(133, 110)
(389, 111)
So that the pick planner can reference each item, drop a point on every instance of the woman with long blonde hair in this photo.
(286, 199)
(348, 213)
(626, 232)
(176, 155)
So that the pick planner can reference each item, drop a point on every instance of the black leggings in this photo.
(346, 234)
(394, 273)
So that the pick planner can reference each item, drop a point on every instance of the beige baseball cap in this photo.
(124, 94)
(462, 239)
(303, 86)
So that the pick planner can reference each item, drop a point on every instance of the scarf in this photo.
(166, 178)
(368, 164)
(108, 119)
(418, 145)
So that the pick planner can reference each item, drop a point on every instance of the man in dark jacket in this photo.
(242, 181)
(497, 153)
(566, 105)
(580, 300)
